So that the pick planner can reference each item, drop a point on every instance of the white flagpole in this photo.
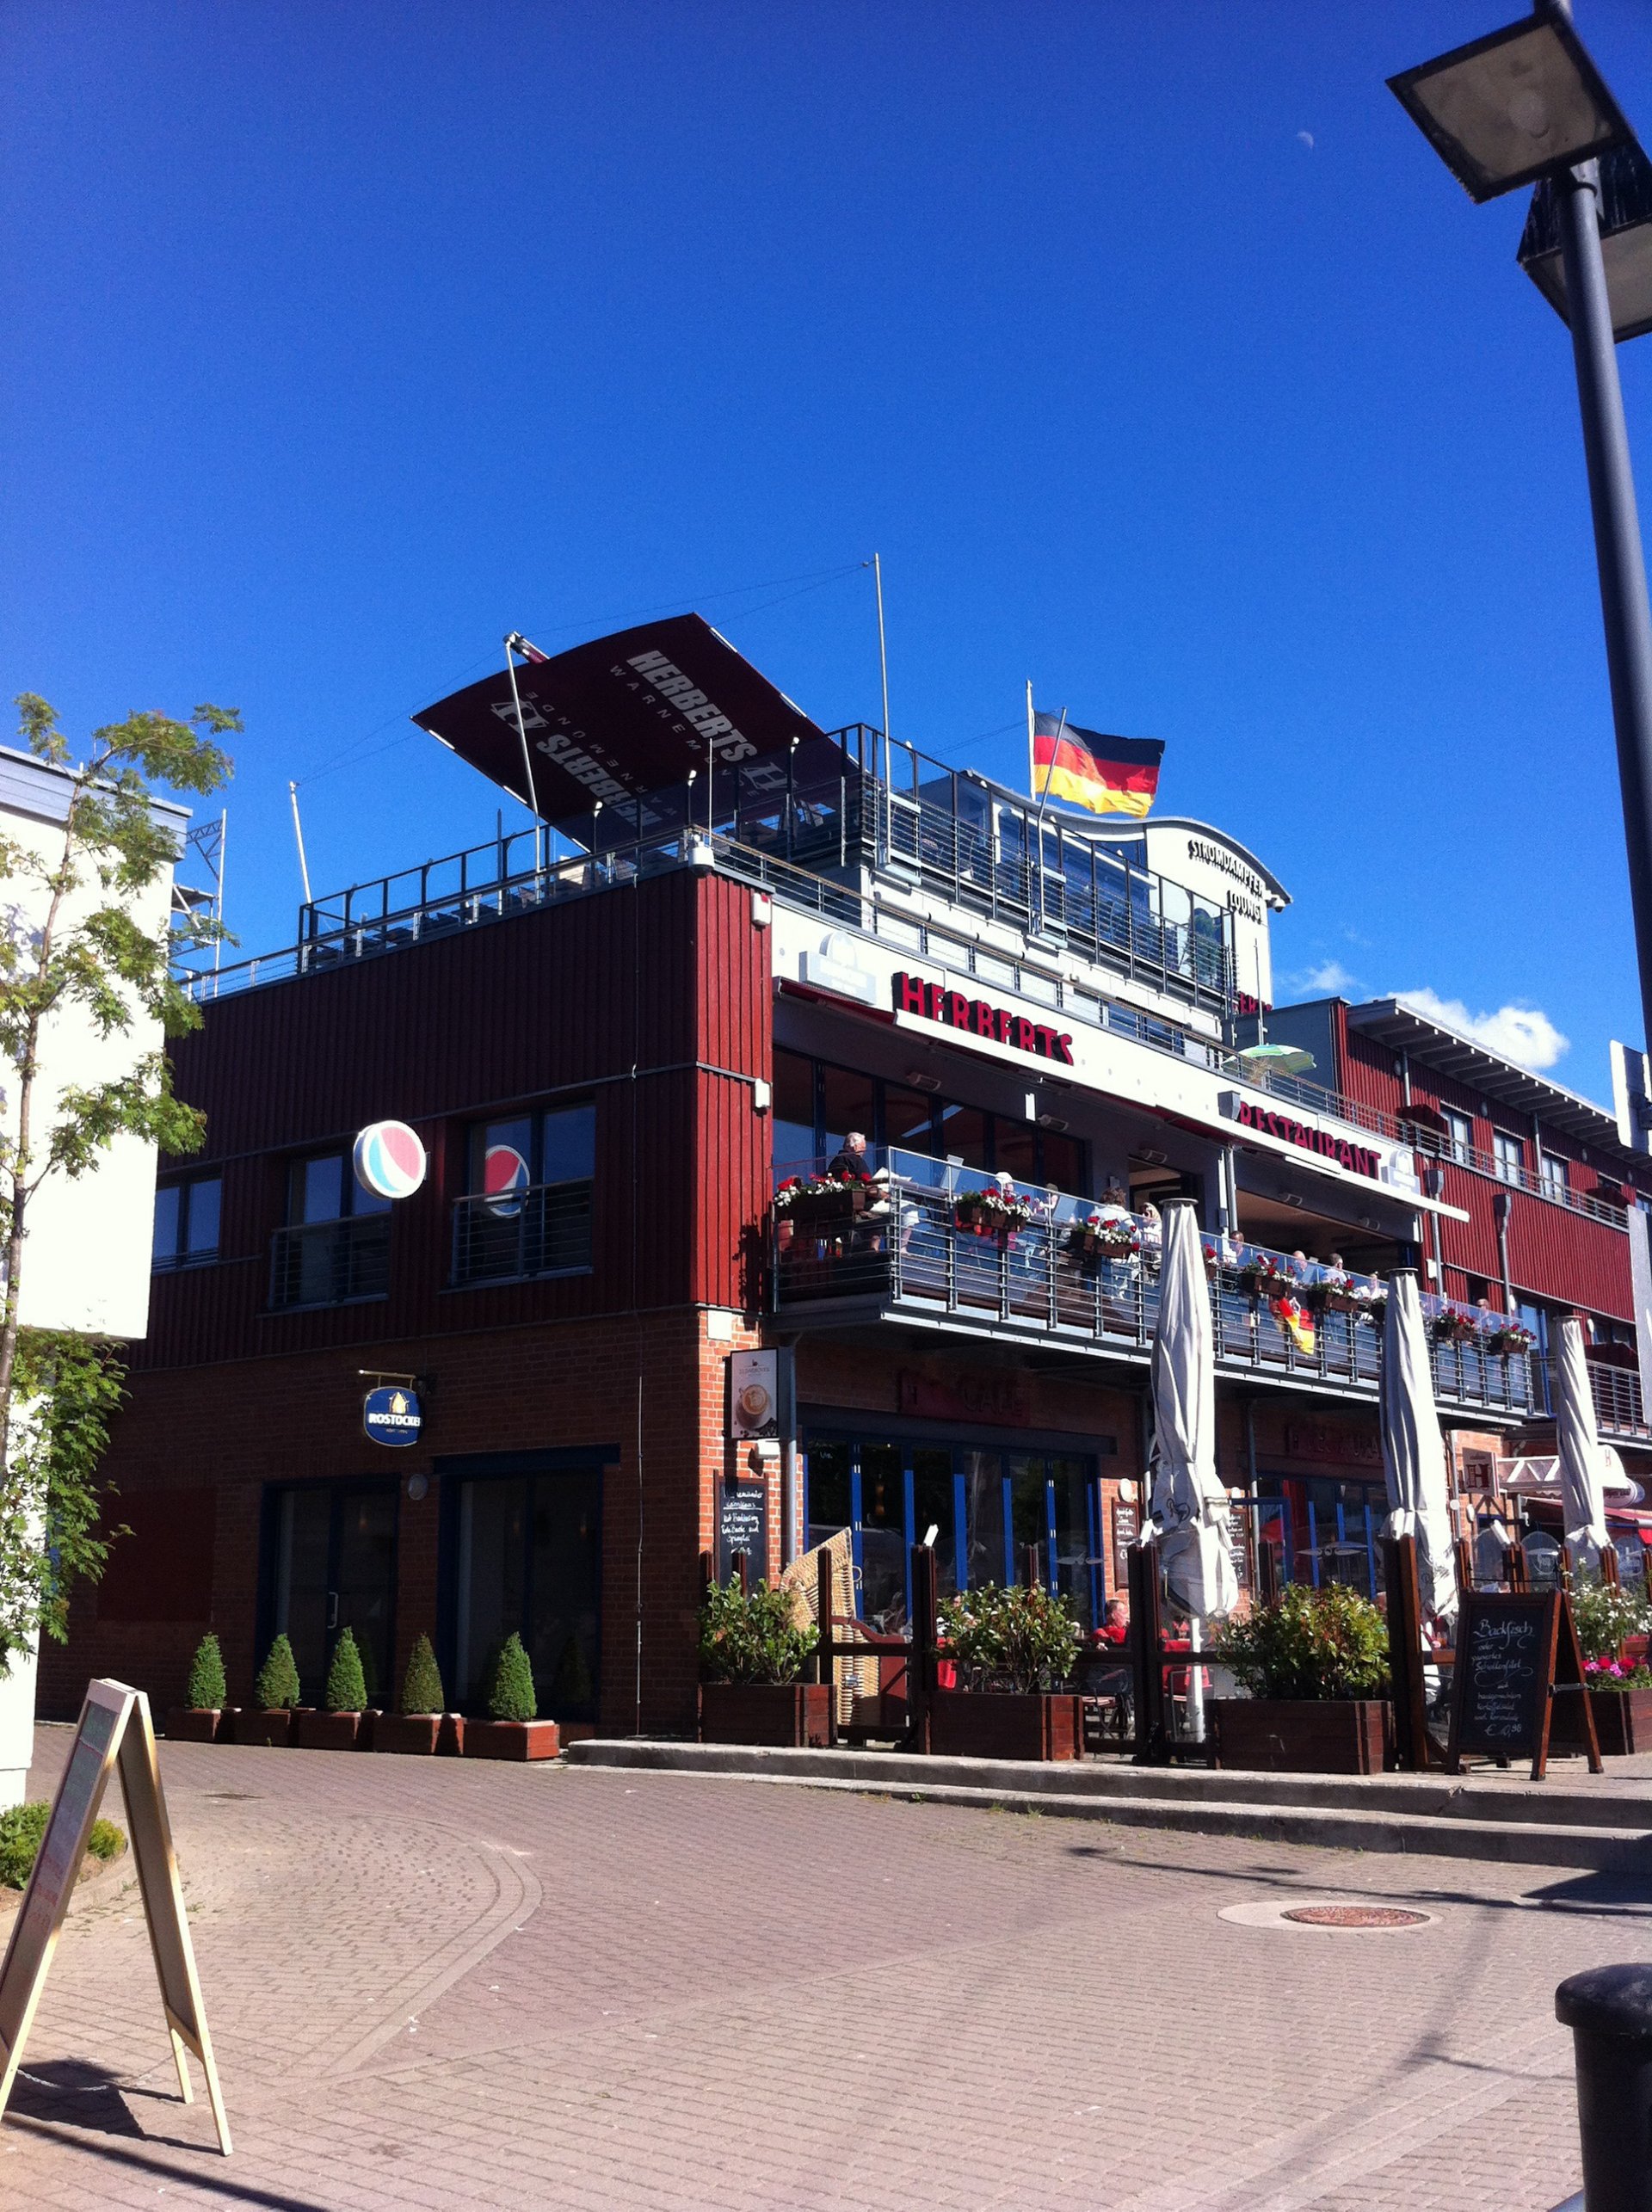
(298, 831)
(883, 672)
(511, 644)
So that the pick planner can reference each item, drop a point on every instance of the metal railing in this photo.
(1619, 1410)
(544, 1229)
(1604, 1210)
(331, 1263)
(918, 1237)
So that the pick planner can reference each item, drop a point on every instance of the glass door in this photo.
(332, 1567)
(530, 1558)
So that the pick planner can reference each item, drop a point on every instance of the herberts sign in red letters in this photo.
(936, 1003)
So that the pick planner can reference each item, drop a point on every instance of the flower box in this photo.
(271, 1725)
(315, 1730)
(511, 1739)
(1511, 1343)
(1269, 1282)
(791, 1715)
(194, 1724)
(1300, 1735)
(1623, 1720)
(1455, 1328)
(1006, 1724)
(420, 1733)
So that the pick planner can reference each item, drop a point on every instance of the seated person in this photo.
(1115, 1623)
(849, 1163)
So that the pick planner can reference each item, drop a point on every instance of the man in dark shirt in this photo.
(849, 1165)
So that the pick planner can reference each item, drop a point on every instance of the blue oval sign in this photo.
(392, 1416)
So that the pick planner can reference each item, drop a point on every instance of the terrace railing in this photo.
(331, 1263)
(544, 1229)
(926, 1236)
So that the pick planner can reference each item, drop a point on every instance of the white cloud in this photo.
(1320, 981)
(1524, 1034)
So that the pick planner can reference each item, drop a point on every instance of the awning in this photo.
(620, 717)
(1422, 1115)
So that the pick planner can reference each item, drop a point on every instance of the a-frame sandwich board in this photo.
(116, 1730)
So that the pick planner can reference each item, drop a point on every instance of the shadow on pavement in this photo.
(211, 2178)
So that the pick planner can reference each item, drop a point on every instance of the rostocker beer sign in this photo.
(936, 1003)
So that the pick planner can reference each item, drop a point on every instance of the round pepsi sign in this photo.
(389, 1159)
(392, 1416)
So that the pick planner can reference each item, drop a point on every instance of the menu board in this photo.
(1126, 1527)
(1515, 1649)
(742, 1526)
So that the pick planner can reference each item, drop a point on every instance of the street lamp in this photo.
(1528, 103)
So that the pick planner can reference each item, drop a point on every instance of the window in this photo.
(792, 1111)
(336, 1247)
(1459, 1134)
(1554, 1185)
(186, 1221)
(1510, 1155)
(529, 1208)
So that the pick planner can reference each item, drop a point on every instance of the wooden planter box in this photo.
(1623, 1720)
(1300, 1735)
(1006, 1724)
(511, 1739)
(419, 1733)
(319, 1731)
(193, 1723)
(787, 1714)
(261, 1724)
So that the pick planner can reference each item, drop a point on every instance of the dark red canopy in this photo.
(619, 716)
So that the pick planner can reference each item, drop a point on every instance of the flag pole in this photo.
(512, 643)
(883, 672)
(1038, 826)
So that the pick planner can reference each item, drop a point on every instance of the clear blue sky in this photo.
(1152, 347)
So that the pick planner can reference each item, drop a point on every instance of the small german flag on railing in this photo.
(1108, 775)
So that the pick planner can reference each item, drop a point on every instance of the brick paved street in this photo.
(435, 1983)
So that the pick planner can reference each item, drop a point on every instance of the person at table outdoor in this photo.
(1334, 1272)
(1152, 1230)
(849, 1164)
(1116, 1195)
(1115, 1623)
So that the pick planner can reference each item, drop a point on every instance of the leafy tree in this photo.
(70, 947)
(511, 1694)
(421, 1690)
(347, 1685)
(276, 1685)
(208, 1688)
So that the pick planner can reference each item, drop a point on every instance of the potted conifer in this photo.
(752, 1652)
(511, 1730)
(338, 1725)
(1010, 1647)
(200, 1715)
(269, 1719)
(421, 1725)
(1316, 1664)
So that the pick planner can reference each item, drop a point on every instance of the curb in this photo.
(111, 1878)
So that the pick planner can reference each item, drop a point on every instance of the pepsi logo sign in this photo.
(389, 1159)
(504, 1179)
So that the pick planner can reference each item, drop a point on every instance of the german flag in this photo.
(1108, 775)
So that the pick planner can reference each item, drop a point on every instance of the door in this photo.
(530, 1561)
(332, 1567)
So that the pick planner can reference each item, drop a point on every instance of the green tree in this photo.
(421, 1690)
(276, 1685)
(511, 1694)
(347, 1685)
(208, 1688)
(73, 949)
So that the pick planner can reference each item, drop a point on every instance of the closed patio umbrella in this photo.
(1413, 1452)
(1582, 1473)
(1189, 1508)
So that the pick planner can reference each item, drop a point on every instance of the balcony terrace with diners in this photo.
(925, 1243)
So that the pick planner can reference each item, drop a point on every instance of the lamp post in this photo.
(1527, 104)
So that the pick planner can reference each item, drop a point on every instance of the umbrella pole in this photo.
(1196, 1681)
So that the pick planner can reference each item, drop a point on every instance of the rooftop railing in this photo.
(925, 1236)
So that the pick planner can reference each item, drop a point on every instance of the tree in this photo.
(347, 1685)
(421, 1690)
(71, 947)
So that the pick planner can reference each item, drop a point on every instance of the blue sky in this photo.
(1153, 349)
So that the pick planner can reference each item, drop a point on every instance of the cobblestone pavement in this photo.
(435, 1983)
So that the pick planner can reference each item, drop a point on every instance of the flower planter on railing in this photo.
(989, 1213)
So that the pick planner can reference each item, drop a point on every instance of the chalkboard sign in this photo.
(1515, 1649)
(742, 1526)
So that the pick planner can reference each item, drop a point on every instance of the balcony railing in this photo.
(1619, 1410)
(331, 1263)
(544, 1229)
(917, 1239)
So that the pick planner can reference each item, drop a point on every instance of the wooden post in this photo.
(1267, 1569)
(738, 1564)
(1462, 1551)
(1146, 1649)
(1516, 1564)
(1609, 1568)
(1031, 1566)
(925, 1631)
(1405, 1651)
(824, 1671)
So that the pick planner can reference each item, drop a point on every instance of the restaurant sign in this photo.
(1360, 1158)
(392, 1417)
(934, 1002)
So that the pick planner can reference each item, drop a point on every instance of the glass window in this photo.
(502, 1163)
(318, 1188)
(964, 1132)
(1063, 1162)
(793, 1111)
(1015, 1149)
(849, 1103)
(1459, 1133)
(1509, 1154)
(909, 1118)
(168, 1206)
(567, 1144)
(932, 1507)
(200, 1222)
(1554, 1176)
(828, 1507)
(983, 1502)
(883, 1536)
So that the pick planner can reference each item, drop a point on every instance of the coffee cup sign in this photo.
(753, 1395)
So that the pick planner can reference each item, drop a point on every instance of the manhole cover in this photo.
(1355, 1916)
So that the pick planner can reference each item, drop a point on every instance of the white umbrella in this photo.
(1582, 1476)
(1413, 1452)
(1189, 1509)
